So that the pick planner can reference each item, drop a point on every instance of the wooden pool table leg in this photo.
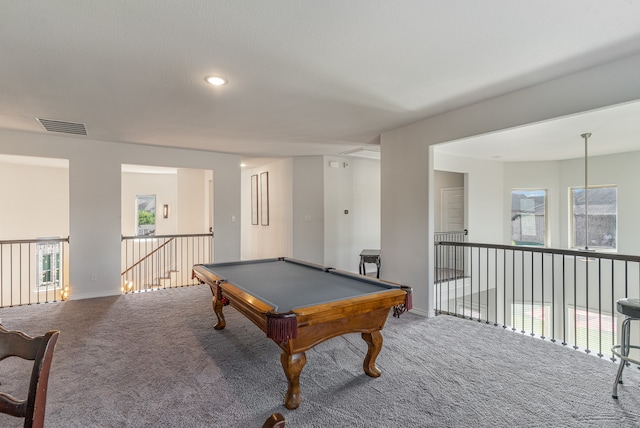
(217, 308)
(292, 365)
(374, 342)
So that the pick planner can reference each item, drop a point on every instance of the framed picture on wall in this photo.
(254, 199)
(264, 199)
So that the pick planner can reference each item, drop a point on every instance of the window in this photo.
(600, 232)
(584, 327)
(48, 264)
(528, 217)
(146, 215)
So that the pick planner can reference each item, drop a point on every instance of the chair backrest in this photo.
(275, 421)
(38, 349)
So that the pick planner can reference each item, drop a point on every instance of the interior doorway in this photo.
(167, 225)
(452, 218)
(449, 201)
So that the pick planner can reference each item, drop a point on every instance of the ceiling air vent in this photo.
(64, 127)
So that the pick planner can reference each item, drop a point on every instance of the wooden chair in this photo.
(38, 349)
(275, 421)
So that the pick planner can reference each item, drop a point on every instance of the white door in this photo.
(452, 217)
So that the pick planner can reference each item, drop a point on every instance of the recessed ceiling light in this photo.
(216, 80)
(242, 165)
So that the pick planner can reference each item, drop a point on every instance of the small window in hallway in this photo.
(146, 215)
(48, 264)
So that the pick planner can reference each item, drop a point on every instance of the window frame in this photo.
(545, 217)
(572, 237)
(139, 201)
(52, 251)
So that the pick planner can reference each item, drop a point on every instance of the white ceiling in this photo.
(305, 77)
(614, 129)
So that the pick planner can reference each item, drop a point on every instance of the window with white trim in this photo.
(146, 215)
(48, 264)
(529, 217)
(599, 223)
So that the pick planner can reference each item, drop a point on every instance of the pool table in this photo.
(299, 304)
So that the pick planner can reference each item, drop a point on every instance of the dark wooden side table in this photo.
(369, 256)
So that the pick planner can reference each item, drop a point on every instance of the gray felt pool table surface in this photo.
(287, 284)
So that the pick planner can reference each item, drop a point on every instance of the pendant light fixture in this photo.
(586, 189)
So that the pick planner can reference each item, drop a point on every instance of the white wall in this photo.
(407, 234)
(338, 212)
(443, 180)
(484, 195)
(620, 170)
(35, 204)
(557, 177)
(95, 199)
(537, 175)
(191, 209)
(185, 192)
(406, 215)
(366, 212)
(274, 240)
(308, 208)
(35, 201)
(323, 233)
(163, 186)
(354, 186)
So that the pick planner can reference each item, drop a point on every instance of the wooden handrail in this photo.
(188, 235)
(147, 256)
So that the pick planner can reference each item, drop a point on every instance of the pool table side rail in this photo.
(367, 279)
(363, 314)
(303, 328)
(250, 306)
(336, 309)
(240, 262)
(282, 327)
(212, 266)
(210, 271)
(408, 304)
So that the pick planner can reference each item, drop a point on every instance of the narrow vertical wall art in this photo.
(264, 199)
(254, 199)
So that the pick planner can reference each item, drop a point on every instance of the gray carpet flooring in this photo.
(154, 360)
